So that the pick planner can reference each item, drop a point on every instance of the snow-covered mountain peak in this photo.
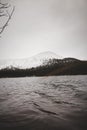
(47, 55)
(33, 61)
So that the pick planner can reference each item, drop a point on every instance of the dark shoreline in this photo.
(42, 76)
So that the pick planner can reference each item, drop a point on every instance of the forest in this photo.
(67, 66)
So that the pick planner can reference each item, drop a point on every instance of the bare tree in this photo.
(6, 14)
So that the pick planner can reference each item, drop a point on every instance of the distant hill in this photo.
(66, 66)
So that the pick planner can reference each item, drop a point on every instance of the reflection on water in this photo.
(43, 103)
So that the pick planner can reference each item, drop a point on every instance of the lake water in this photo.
(43, 103)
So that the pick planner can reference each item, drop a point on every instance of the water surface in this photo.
(44, 103)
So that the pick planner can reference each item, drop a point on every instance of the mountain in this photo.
(43, 64)
(66, 66)
(33, 61)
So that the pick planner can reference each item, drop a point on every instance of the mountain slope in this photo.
(67, 66)
(34, 61)
(43, 64)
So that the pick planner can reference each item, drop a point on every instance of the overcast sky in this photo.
(58, 26)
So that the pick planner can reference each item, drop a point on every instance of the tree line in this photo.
(54, 68)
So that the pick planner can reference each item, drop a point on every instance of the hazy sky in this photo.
(59, 26)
